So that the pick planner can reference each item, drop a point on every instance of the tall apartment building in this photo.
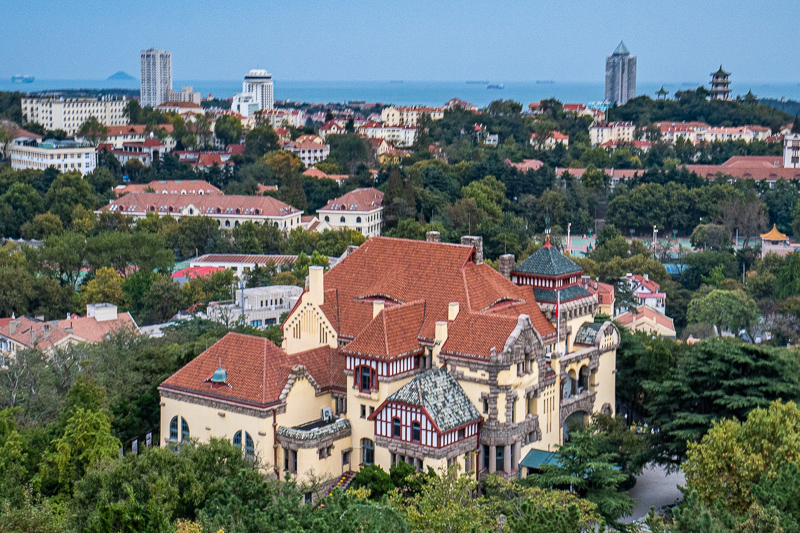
(69, 114)
(620, 76)
(257, 93)
(156, 76)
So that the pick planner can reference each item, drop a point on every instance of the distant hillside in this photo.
(789, 106)
(120, 75)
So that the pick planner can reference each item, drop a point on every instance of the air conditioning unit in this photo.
(327, 414)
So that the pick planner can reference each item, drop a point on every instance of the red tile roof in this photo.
(644, 311)
(196, 272)
(393, 333)
(404, 271)
(257, 370)
(206, 204)
(366, 199)
(84, 329)
(170, 187)
(135, 129)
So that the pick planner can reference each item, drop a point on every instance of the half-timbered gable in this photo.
(429, 417)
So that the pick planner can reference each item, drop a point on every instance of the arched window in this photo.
(366, 378)
(397, 430)
(341, 219)
(237, 439)
(367, 452)
(415, 431)
(238, 211)
(173, 429)
(327, 218)
(358, 220)
(249, 446)
(236, 223)
(191, 211)
(184, 429)
(227, 223)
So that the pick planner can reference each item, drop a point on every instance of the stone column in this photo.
(507, 459)
(517, 447)
(492, 459)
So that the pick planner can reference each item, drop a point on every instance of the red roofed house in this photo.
(26, 333)
(117, 135)
(649, 320)
(550, 141)
(169, 187)
(413, 351)
(309, 152)
(314, 172)
(145, 151)
(360, 210)
(185, 274)
(647, 292)
(228, 211)
(602, 292)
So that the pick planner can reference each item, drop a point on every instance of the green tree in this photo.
(20, 204)
(42, 226)
(259, 141)
(585, 466)
(732, 311)
(375, 479)
(489, 193)
(162, 299)
(106, 287)
(711, 380)
(67, 191)
(734, 456)
(93, 131)
(228, 129)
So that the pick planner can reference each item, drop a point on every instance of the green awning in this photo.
(537, 458)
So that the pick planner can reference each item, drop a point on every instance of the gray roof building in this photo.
(620, 76)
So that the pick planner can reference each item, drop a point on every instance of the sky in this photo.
(425, 40)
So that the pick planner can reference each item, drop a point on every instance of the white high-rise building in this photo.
(256, 93)
(620, 76)
(156, 76)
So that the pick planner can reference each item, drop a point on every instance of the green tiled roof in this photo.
(441, 396)
(547, 261)
(721, 72)
(570, 293)
(587, 333)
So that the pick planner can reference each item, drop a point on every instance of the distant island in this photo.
(120, 75)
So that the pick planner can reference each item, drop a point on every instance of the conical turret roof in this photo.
(621, 50)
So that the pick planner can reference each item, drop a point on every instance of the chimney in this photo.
(316, 290)
(433, 236)
(506, 265)
(12, 326)
(477, 242)
(33, 337)
(440, 337)
(377, 307)
(452, 311)
(40, 318)
(46, 331)
(646, 276)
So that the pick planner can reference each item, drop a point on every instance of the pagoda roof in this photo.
(621, 50)
(774, 235)
(662, 90)
(720, 72)
(547, 261)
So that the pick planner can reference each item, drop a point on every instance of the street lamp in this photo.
(569, 241)
(655, 237)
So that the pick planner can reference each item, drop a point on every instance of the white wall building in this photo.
(360, 210)
(229, 211)
(156, 76)
(603, 132)
(69, 114)
(65, 156)
(409, 116)
(791, 150)
(257, 93)
(309, 152)
(186, 94)
(263, 306)
(399, 136)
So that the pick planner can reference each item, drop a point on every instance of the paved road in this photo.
(655, 488)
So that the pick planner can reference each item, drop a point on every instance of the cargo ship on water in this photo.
(22, 78)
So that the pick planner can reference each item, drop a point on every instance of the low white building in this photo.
(117, 135)
(603, 132)
(186, 94)
(309, 152)
(229, 211)
(145, 151)
(400, 136)
(409, 116)
(69, 114)
(360, 210)
(65, 156)
(259, 307)
(243, 263)
(278, 118)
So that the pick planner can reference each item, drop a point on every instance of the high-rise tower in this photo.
(720, 85)
(256, 93)
(156, 76)
(620, 76)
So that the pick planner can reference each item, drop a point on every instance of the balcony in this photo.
(314, 434)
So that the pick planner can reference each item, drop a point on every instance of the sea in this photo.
(401, 92)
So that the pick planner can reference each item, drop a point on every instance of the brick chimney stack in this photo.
(477, 242)
(433, 236)
(506, 265)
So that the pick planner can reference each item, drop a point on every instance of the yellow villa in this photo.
(413, 351)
